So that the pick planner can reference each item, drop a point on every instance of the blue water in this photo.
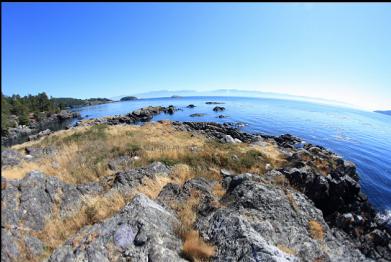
(360, 136)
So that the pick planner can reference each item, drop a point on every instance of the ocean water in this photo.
(360, 136)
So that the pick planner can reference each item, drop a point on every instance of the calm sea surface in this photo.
(359, 136)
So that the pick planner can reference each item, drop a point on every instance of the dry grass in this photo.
(93, 210)
(152, 187)
(180, 173)
(316, 230)
(20, 171)
(84, 152)
(218, 190)
(272, 154)
(194, 248)
(286, 249)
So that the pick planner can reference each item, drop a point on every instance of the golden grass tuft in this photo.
(316, 230)
(194, 247)
(152, 187)
(180, 173)
(286, 249)
(218, 190)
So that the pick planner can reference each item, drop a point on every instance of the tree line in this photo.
(20, 110)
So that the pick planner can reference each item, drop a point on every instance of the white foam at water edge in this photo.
(384, 217)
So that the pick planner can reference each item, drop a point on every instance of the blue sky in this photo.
(332, 51)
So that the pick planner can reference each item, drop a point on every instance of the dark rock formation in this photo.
(214, 103)
(214, 130)
(197, 115)
(139, 115)
(218, 108)
(191, 106)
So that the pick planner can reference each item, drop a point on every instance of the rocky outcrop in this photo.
(28, 204)
(218, 108)
(257, 221)
(191, 106)
(333, 185)
(329, 181)
(139, 115)
(10, 158)
(214, 130)
(262, 222)
(142, 231)
(38, 129)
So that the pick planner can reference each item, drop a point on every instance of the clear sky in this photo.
(332, 51)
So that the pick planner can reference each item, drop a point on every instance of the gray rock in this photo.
(115, 237)
(124, 236)
(258, 218)
(10, 158)
(34, 245)
(9, 246)
(228, 139)
(135, 177)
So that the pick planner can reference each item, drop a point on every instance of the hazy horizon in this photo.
(336, 52)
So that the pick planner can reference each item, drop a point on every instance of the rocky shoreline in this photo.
(334, 188)
(37, 129)
(310, 209)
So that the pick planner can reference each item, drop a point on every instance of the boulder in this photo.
(142, 231)
(218, 108)
(10, 157)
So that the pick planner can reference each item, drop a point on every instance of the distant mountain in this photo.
(231, 92)
(385, 112)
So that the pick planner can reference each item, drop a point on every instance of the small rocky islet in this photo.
(182, 191)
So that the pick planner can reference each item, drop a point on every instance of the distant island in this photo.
(175, 96)
(384, 112)
(128, 98)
